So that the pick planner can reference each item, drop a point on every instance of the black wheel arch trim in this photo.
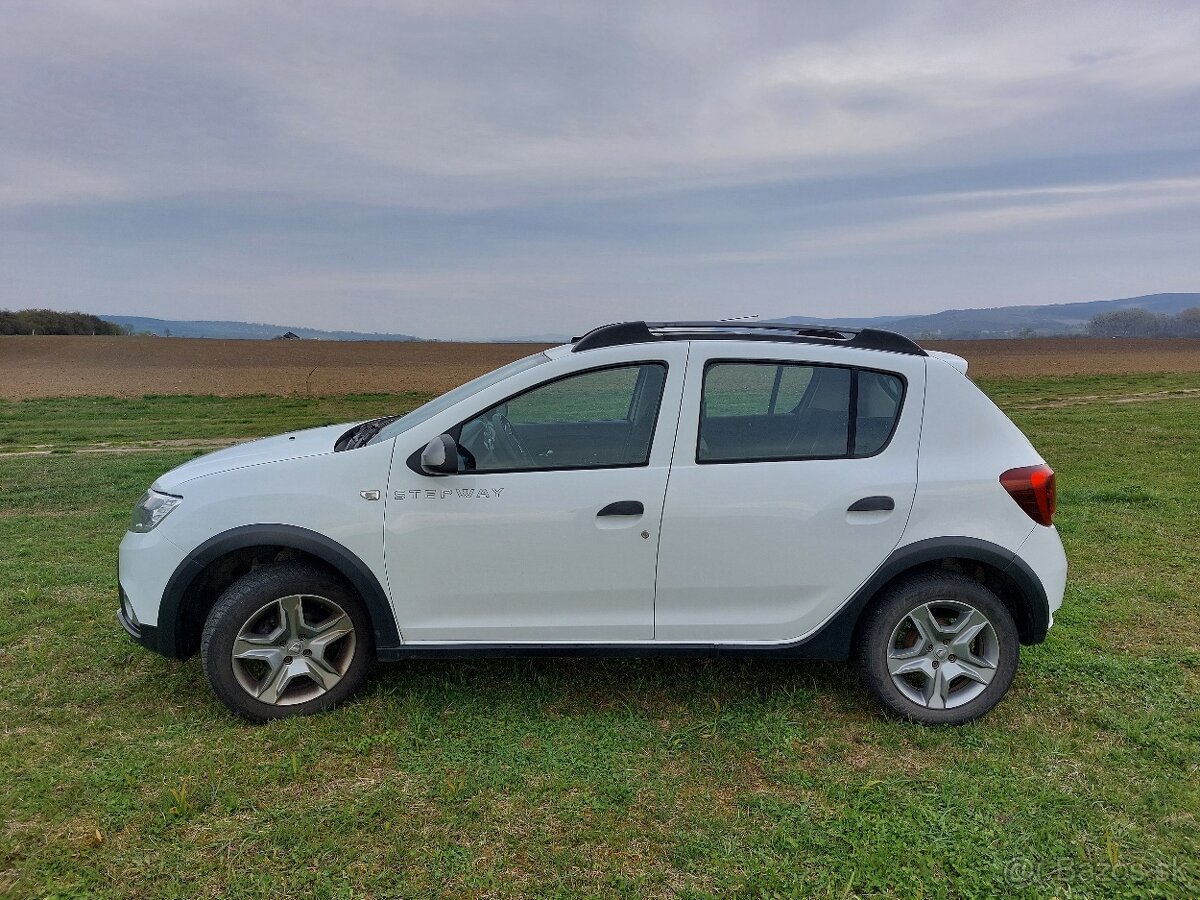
(833, 640)
(170, 642)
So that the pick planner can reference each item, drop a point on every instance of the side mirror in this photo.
(440, 456)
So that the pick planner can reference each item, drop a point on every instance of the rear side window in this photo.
(762, 411)
(744, 389)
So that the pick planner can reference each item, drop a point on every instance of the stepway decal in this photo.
(459, 494)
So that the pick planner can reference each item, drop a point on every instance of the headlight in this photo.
(152, 509)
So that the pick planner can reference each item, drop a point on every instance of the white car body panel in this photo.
(533, 562)
(956, 362)
(1043, 553)
(319, 492)
(146, 563)
(767, 551)
(966, 444)
(277, 449)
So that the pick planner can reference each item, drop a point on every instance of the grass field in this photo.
(123, 776)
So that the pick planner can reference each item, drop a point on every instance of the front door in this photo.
(550, 533)
(792, 482)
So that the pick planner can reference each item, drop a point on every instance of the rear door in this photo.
(793, 476)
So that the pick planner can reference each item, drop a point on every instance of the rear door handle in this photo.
(873, 504)
(623, 508)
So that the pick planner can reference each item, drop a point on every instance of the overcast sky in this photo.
(483, 169)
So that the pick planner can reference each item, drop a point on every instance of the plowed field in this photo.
(45, 366)
(133, 366)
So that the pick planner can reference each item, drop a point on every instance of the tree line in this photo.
(1142, 323)
(47, 321)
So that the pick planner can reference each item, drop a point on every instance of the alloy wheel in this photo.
(293, 649)
(943, 654)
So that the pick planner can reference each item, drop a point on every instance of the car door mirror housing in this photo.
(440, 456)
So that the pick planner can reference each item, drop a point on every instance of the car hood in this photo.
(293, 445)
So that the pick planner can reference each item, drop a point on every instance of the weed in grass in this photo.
(30, 593)
(181, 803)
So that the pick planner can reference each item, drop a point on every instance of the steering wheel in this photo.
(512, 444)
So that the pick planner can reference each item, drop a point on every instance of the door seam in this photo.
(662, 515)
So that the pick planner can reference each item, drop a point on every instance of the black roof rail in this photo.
(613, 336)
(621, 333)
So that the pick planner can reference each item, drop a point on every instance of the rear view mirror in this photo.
(440, 456)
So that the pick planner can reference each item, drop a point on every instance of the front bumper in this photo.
(146, 635)
(145, 564)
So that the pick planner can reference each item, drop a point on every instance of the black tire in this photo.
(249, 600)
(892, 621)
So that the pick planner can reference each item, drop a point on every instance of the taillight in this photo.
(1033, 489)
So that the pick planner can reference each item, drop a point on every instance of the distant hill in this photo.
(243, 330)
(1001, 322)
(549, 338)
(1010, 321)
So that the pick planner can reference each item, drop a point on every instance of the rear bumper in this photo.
(1042, 552)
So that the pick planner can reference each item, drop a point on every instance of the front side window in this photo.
(462, 392)
(599, 419)
(761, 411)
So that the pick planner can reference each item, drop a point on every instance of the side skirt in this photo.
(480, 650)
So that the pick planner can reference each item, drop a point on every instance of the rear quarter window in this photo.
(879, 396)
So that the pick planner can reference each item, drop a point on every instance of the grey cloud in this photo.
(552, 164)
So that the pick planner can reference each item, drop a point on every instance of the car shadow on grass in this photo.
(583, 686)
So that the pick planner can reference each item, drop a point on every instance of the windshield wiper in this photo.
(361, 436)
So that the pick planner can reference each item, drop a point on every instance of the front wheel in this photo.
(939, 648)
(285, 640)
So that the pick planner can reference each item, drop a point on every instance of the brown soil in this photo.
(44, 366)
(1073, 356)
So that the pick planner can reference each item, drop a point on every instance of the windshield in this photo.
(462, 392)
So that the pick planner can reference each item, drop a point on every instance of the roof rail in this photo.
(621, 333)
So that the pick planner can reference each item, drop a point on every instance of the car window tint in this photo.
(457, 395)
(793, 382)
(592, 397)
(597, 419)
(733, 389)
(879, 397)
(773, 411)
(738, 389)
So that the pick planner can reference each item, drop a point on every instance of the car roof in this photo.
(623, 333)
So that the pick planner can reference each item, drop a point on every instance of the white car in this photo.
(662, 488)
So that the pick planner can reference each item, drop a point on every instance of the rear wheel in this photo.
(939, 648)
(286, 640)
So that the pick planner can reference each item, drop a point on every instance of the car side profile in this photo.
(695, 488)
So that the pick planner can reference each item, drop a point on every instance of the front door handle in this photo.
(873, 504)
(623, 508)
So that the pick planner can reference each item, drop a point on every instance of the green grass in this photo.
(120, 775)
(73, 422)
